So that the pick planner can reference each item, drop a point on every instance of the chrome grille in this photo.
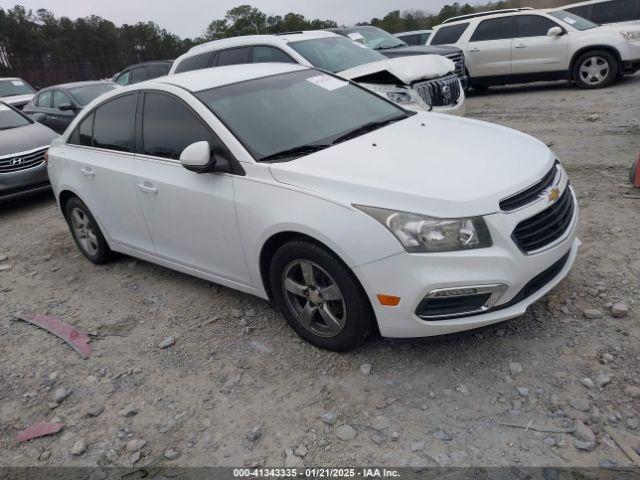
(532, 193)
(22, 161)
(442, 92)
(458, 59)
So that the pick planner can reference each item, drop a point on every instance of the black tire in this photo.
(102, 253)
(354, 305)
(584, 61)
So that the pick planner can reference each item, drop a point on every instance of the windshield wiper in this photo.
(366, 128)
(295, 152)
(390, 46)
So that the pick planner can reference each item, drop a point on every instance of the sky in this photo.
(189, 18)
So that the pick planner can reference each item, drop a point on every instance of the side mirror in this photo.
(67, 107)
(555, 32)
(197, 157)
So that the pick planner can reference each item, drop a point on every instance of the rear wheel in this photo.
(319, 296)
(86, 233)
(595, 69)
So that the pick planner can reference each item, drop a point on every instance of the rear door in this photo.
(534, 51)
(191, 216)
(488, 52)
(103, 168)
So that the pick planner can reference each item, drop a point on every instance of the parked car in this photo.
(23, 144)
(524, 45)
(345, 209)
(607, 11)
(415, 37)
(425, 82)
(15, 91)
(57, 106)
(142, 71)
(390, 46)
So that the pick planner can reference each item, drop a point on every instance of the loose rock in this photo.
(135, 445)
(78, 448)
(167, 342)
(603, 380)
(60, 394)
(171, 454)
(365, 368)
(95, 410)
(592, 313)
(632, 391)
(345, 432)
(587, 382)
(583, 433)
(581, 404)
(588, 446)
(515, 368)
(128, 411)
(329, 418)
(619, 310)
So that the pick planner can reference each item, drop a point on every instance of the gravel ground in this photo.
(238, 387)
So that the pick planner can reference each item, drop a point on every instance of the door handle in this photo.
(522, 45)
(87, 172)
(147, 187)
(474, 50)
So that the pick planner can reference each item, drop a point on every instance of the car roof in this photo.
(10, 78)
(205, 79)
(579, 4)
(69, 86)
(414, 32)
(489, 15)
(246, 40)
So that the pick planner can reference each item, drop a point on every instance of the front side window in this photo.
(44, 99)
(494, 29)
(615, 11)
(336, 54)
(533, 26)
(83, 134)
(196, 62)
(113, 124)
(87, 94)
(265, 54)
(304, 110)
(11, 88)
(60, 98)
(449, 35)
(575, 21)
(169, 126)
(9, 118)
(233, 56)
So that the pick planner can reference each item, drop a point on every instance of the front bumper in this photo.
(413, 276)
(24, 182)
(629, 67)
(460, 108)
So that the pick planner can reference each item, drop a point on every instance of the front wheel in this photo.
(595, 69)
(319, 296)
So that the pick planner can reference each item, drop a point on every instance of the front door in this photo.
(488, 52)
(534, 51)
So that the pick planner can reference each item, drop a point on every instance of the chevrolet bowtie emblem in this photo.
(554, 194)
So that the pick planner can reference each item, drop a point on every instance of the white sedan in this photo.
(349, 212)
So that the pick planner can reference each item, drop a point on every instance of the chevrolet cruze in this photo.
(350, 213)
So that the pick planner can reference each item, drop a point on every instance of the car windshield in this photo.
(336, 54)
(9, 88)
(374, 37)
(86, 94)
(289, 115)
(9, 118)
(575, 21)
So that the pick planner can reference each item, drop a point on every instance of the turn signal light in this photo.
(388, 300)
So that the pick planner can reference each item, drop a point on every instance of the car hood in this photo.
(18, 99)
(23, 139)
(617, 27)
(429, 163)
(405, 69)
(419, 50)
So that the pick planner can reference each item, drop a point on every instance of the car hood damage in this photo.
(414, 165)
(405, 70)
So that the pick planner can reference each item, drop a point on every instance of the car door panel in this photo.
(534, 51)
(488, 53)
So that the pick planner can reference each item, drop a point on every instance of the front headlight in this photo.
(633, 36)
(393, 93)
(420, 233)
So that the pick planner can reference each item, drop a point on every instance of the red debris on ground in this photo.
(39, 429)
(70, 334)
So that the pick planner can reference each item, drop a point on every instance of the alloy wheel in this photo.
(594, 70)
(84, 231)
(314, 298)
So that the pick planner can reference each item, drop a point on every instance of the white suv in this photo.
(419, 83)
(524, 45)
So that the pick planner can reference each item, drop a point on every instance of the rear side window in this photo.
(60, 98)
(494, 29)
(615, 11)
(44, 99)
(169, 126)
(447, 35)
(234, 56)
(533, 26)
(113, 124)
(155, 71)
(196, 62)
(264, 54)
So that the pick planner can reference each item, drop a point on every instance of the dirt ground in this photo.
(238, 387)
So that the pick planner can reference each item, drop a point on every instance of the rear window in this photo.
(494, 29)
(450, 34)
(9, 118)
(196, 62)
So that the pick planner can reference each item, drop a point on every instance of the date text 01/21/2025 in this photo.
(315, 473)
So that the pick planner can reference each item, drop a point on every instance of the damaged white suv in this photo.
(419, 83)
